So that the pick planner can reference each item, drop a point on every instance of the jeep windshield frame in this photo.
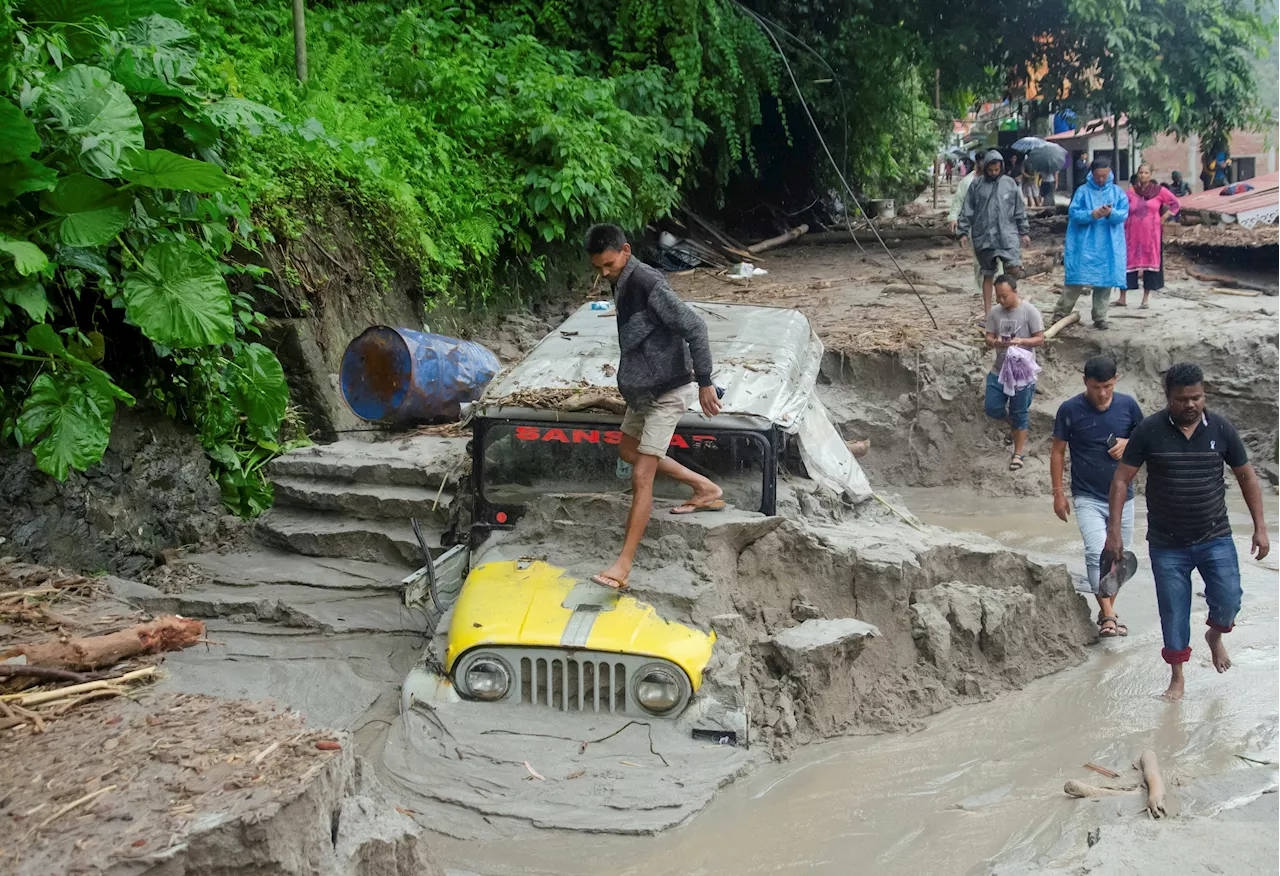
(564, 456)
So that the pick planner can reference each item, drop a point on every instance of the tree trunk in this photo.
(300, 39)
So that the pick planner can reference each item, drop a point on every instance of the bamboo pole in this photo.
(300, 39)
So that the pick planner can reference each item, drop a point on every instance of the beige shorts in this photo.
(654, 426)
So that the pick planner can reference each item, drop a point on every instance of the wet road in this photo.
(978, 781)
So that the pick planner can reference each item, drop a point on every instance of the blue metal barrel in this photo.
(401, 376)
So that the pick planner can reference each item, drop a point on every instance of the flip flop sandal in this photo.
(1120, 304)
(1110, 632)
(1121, 629)
(617, 585)
(1017, 462)
(1144, 307)
(699, 507)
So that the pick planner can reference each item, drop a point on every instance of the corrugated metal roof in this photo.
(1266, 193)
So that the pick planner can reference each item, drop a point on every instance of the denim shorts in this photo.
(1014, 407)
(1219, 568)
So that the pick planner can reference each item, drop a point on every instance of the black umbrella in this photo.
(1049, 158)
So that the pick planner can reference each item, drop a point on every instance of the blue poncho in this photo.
(1095, 254)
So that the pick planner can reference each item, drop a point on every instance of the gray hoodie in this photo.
(994, 216)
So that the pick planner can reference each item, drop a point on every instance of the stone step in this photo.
(329, 534)
(367, 501)
(418, 461)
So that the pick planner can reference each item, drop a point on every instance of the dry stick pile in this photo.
(572, 400)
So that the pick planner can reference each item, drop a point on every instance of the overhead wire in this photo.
(765, 26)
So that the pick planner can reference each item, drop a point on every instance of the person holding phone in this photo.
(1095, 258)
(1096, 425)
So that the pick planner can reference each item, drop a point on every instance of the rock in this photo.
(803, 610)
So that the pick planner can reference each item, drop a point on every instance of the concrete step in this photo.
(367, 501)
(330, 534)
(417, 461)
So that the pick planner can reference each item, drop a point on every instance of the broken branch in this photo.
(9, 670)
(1069, 319)
(787, 237)
(167, 633)
(1080, 789)
(1110, 774)
(48, 696)
(1155, 784)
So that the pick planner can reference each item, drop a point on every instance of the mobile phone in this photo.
(1111, 441)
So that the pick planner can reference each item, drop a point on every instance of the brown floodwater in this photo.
(977, 781)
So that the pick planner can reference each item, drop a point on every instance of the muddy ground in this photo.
(916, 391)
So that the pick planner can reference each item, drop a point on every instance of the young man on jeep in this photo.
(664, 351)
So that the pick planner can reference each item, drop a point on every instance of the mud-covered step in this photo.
(329, 534)
(419, 461)
(264, 565)
(368, 501)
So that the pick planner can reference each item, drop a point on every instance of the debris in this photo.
(1110, 774)
(74, 804)
(1258, 762)
(905, 289)
(1069, 319)
(266, 752)
(628, 763)
(1243, 293)
(329, 745)
(1079, 789)
(1220, 281)
(166, 633)
(576, 774)
(781, 239)
(568, 399)
(1155, 784)
(719, 737)
(112, 687)
(42, 672)
(859, 449)
(534, 774)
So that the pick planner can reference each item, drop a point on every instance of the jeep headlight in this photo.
(487, 678)
(657, 689)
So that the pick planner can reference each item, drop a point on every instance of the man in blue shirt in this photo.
(1096, 426)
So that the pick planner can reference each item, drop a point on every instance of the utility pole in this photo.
(300, 39)
(937, 104)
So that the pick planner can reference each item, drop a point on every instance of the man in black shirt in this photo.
(1184, 447)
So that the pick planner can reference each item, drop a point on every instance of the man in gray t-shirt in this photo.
(1011, 323)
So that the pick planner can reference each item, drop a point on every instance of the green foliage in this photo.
(117, 238)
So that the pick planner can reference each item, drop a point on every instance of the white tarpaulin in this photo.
(765, 358)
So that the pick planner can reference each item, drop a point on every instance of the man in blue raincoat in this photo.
(1095, 255)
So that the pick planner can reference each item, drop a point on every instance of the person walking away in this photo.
(665, 349)
(1150, 206)
(1095, 254)
(1030, 186)
(1013, 324)
(1095, 425)
(1048, 188)
(951, 173)
(994, 218)
(1184, 447)
(1178, 185)
(953, 214)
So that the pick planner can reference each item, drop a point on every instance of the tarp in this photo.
(766, 359)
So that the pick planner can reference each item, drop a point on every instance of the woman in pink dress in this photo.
(1149, 204)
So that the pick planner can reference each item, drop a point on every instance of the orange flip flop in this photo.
(699, 507)
(618, 584)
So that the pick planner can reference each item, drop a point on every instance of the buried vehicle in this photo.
(523, 629)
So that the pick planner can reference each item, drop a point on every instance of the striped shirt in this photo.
(1186, 493)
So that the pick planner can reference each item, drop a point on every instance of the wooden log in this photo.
(167, 633)
(1155, 784)
(905, 288)
(772, 242)
(1069, 319)
(1074, 788)
(1243, 293)
(1221, 282)
(868, 236)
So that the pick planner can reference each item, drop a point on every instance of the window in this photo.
(523, 461)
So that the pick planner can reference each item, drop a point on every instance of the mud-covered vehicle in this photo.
(522, 629)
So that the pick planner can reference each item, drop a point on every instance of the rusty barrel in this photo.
(402, 376)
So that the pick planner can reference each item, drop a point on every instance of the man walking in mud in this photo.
(953, 216)
(1096, 425)
(1184, 447)
(1012, 323)
(994, 218)
(664, 351)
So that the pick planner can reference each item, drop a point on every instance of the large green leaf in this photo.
(84, 259)
(20, 138)
(93, 212)
(44, 339)
(259, 388)
(71, 421)
(162, 169)
(29, 295)
(158, 58)
(117, 13)
(178, 298)
(94, 110)
(135, 75)
(236, 112)
(27, 257)
(25, 175)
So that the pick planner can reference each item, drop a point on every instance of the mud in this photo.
(151, 491)
(916, 391)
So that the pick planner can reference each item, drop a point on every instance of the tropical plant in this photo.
(118, 230)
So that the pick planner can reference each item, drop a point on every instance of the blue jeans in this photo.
(1092, 516)
(1218, 566)
(1011, 407)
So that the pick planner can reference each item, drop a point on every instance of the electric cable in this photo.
(827, 150)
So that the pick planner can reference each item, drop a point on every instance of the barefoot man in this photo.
(1184, 447)
(664, 351)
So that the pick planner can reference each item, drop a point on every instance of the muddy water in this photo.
(977, 781)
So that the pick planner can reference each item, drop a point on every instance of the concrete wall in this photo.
(1166, 155)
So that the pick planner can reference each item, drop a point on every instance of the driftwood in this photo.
(1069, 319)
(167, 633)
(920, 288)
(1155, 784)
(1243, 293)
(583, 401)
(1230, 282)
(772, 242)
(90, 689)
(1074, 788)
(8, 670)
